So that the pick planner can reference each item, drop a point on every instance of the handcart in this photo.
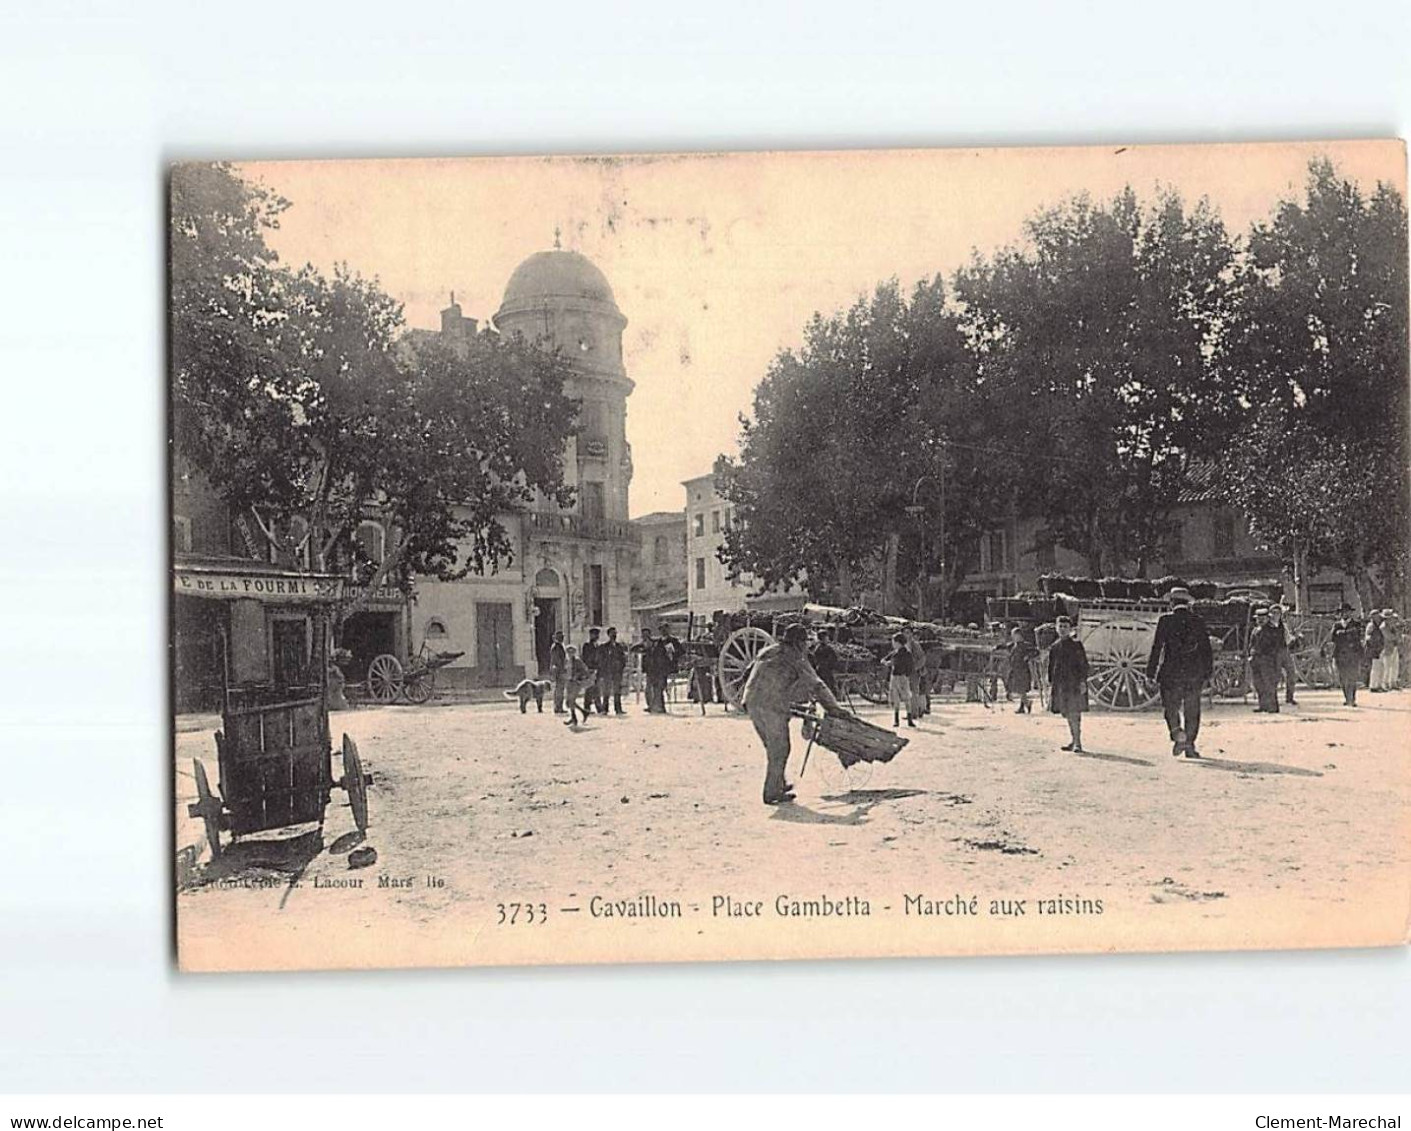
(855, 746)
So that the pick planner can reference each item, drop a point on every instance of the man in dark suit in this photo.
(1181, 663)
(558, 669)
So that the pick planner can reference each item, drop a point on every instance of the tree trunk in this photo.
(1301, 599)
(889, 574)
(845, 585)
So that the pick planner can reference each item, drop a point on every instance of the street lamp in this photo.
(916, 511)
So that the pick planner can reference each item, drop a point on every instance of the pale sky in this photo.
(718, 261)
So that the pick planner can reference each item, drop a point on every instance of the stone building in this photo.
(1208, 542)
(572, 567)
(659, 570)
(709, 587)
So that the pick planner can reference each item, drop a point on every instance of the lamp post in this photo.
(918, 512)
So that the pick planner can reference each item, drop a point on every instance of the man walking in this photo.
(781, 676)
(612, 662)
(1264, 647)
(656, 667)
(1284, 665)
(558, 667)
(590, 658)
(1180, 663)
(920, 704)
(1347, 654)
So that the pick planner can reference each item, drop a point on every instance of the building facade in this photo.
(242, 609)
(659, 568)
(1208, 542)
(572, 567)
(709, 587)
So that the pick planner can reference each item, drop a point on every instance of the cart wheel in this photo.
(837, 777)
(355, 782)
(1227, 681)
(737, 657)
(418, 685)
(207, 806)
(874, 687)
(1118, 650)
(384, 678)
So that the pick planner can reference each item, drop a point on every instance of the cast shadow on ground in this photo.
(285, 856)
(1114, 758)
(872, 796)
(1252, 767)
(862, 801)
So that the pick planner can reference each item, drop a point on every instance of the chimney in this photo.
(451, 320)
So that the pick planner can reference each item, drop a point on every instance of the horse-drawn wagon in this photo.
(1116, 621)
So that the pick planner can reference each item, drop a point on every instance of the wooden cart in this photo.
(275, 759)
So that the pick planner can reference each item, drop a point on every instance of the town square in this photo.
(1031, 578)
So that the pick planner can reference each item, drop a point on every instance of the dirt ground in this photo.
(503, 838)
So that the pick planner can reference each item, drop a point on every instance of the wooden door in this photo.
(494, 642)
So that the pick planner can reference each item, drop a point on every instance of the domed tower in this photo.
(559, 300)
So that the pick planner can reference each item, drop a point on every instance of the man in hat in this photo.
(589, 653)
(1286, 668)
(1373, 644)
(1180, 663)
(781, 676)
(612, 662)
(558, 667)
(1347, 654)
(1264, 646)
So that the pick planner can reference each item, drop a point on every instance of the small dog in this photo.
(527, 689)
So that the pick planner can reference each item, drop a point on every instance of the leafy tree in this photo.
(300, 396)
(846, 432)
(1103, 331)
(1320, 344)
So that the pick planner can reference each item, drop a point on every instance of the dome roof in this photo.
(562, 275)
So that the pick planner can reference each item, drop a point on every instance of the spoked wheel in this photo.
(737, 657)
(355, 782)
(1314, 669)
(872, 686)
(836, 777)
(384, 679)
(419, 685)
(1117, 655)
(1227, 681)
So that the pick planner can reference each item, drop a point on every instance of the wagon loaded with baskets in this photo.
(1116, 621)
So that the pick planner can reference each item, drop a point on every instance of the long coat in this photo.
(1181, 651)
(1017, 678)
(1068, 677)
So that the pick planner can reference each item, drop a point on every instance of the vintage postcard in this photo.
(789, 555)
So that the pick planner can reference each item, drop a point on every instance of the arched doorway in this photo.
(548, 605)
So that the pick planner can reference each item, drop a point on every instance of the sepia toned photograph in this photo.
(737, 556)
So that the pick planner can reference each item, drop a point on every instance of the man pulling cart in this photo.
(780, 677)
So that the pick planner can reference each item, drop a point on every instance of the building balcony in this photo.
(557, 524)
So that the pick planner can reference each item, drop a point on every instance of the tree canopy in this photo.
(1319, 340)
(1080, 376)
(300, 397)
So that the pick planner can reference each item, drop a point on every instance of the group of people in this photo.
(1181, 661)
(595, 673)
(1369, 654)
